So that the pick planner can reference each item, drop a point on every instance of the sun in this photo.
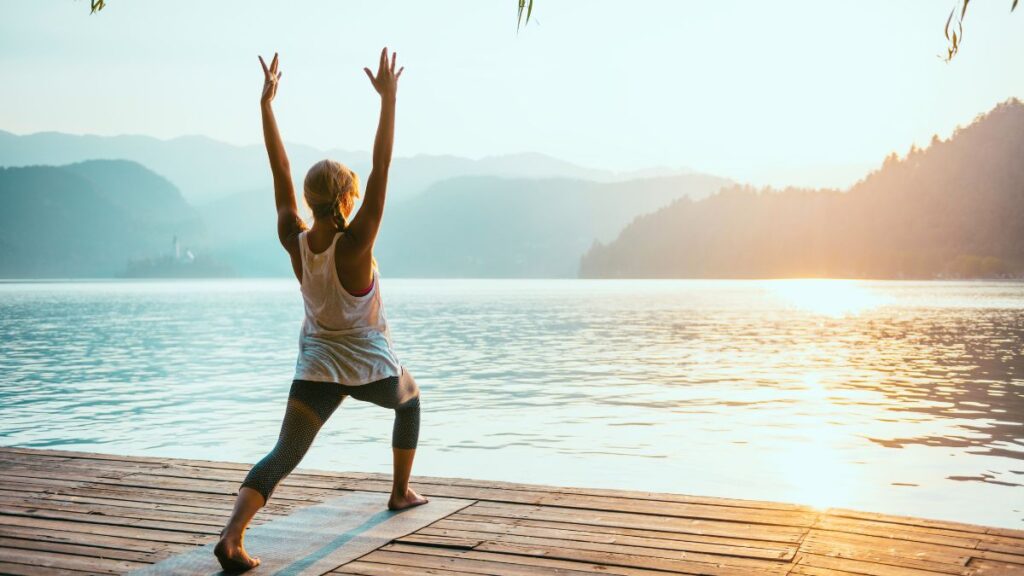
(833, 298)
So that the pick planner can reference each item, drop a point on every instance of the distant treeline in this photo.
(954, 209)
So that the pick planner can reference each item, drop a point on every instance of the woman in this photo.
(345, 346)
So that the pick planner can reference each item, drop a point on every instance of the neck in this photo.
(324, 225)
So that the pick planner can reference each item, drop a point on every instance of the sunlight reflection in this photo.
(813, 467)
(835, 298)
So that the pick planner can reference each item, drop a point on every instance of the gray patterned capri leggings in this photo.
(310, 404)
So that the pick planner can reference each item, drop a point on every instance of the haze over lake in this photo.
(906, 397)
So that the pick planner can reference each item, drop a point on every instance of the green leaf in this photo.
(1014, 7)
(529, 11)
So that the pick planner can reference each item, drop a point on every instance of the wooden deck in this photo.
(75, 512)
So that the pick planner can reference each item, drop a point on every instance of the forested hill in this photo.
(88, 219)
(953, 209)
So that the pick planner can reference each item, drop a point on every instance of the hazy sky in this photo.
(802, 92)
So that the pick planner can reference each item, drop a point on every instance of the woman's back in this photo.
(344, 338)
(329, 306)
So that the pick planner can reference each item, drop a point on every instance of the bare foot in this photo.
(410, 499)
(232, 556)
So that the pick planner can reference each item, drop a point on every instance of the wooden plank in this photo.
(532, 564)
(114, 511)
(472, 565)
(801, 570)
(921, 525)
(817, 540)
(12, 569)
(99, 541)
(132, 532)
(641, 521)
(100, 519)
(889, 551)
(1007, 532)
(995, 568)
(918, 522)
(69, 561)
(145, 500)
(1000, 556)
(631, 557)
(12, 451)
(76, 549)
(768, 545)
(867, 568)
(1002, 544)
(422, 538)
(362, 568)
(486, 531)
(902, 532)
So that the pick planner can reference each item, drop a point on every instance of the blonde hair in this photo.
(330, 190)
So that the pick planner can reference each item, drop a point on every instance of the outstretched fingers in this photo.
(386, 75)
(270, 72)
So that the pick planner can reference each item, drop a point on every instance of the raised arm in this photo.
(289, 223)
(367, 221)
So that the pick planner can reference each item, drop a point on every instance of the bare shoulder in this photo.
(289, 227)
(291, 243)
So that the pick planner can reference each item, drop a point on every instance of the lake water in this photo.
(898, 397)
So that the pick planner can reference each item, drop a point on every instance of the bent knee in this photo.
(408, 390)
(411, 403)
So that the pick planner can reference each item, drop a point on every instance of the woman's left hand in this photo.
(386, 82)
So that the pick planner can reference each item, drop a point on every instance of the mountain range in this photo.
(954, 209)
(509, 216)
(205, 170)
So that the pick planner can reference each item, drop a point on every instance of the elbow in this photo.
(282, 169)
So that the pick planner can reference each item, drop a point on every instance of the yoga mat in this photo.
(318, 538)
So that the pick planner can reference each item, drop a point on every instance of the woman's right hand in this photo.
(271, 76)
(386, 82)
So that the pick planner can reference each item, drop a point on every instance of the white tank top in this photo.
(344, 338)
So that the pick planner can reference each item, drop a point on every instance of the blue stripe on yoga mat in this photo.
(318, 538)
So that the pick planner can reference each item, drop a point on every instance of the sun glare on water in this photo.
(814, 467)
(833, 298)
